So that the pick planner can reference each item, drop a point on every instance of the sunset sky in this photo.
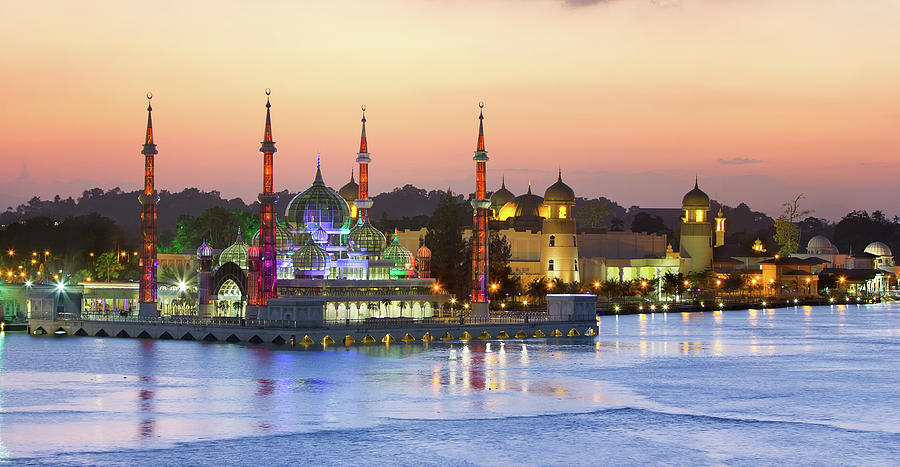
(631, 98)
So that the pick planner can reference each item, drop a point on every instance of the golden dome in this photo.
(526, 206)
(559, 192)
(695, 199)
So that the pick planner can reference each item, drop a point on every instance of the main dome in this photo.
(318, 206)
(526, 206)
(820, 245)
(695, 199)
(559, 192)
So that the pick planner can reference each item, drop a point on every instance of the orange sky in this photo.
(762, 98)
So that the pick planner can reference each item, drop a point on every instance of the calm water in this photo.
(813, 385)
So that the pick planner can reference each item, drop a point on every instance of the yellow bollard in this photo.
(368, 339)
(521, 334)
(574, 333)
(590, 332)
(292, 341)
(348, 340)
(408, 338)
(484, 335)
(327, 340)
(387, 339)
(503, 335)
(306, 341)
(427, 337)
(556, 333)
(465, 336)
(447, 336)
(539, 333)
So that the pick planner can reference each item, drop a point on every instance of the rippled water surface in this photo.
(808, 385)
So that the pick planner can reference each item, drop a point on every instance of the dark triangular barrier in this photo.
(278, 341)
(232, 338)
(145, 335)
(256, 340)
(210, 338)
(122, 333)
(101, 333)
(80, 332)
(165, 335)
(188, 337)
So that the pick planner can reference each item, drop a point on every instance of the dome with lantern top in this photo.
(283, 239)
(311, 258)
(205, 251)
(423, 253)
(236, 253)
(350, 191)
(696, 198)
(318, 206)
(559, 192)
(366, 240)
(398, 254)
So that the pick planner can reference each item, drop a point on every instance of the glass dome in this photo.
(318, 206)
(366, 240)
(205, 251)
(236, 253)
(311, 258)
(398, 254)
(283, 239)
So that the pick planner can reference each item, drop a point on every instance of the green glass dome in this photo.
(311, 258)
(318, 206)
(284, 241)
(366, 240)
(398, 254)
(236, 253)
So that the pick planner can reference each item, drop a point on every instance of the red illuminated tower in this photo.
(266, 280)
(148, 200)
(363, 203)
(481, 205)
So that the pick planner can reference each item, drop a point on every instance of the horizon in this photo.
(763, 100)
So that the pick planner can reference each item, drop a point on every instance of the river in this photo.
(804, 385)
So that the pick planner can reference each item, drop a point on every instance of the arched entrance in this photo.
(228, 292)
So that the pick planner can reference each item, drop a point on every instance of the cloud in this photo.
(738, 161)
(581, 3)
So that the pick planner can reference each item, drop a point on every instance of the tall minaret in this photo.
(363, 203)
(205, 254)
(149, 198)
(481, 206)
(267, 261)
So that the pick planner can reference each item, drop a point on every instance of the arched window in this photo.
(550, 265)
(552, 241)
(576, 264)
(574, 241)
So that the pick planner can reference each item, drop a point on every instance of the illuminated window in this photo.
(550, 265)
(552, 242)
(699, 215)
(562, 212)
(720, 225)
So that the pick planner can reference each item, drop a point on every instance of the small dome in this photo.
(311, 258)
(559, 192)
(527, 205)
(205, 251)
(350, 191)
(820, 245)
(398, 254)
(878, 249)
(319, 237)
(366, 240)
(283, 239)
(501, 197)
(695, 199)
(318, 206)
(236, 253)
(423, 253)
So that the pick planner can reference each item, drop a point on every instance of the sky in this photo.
(761, 99)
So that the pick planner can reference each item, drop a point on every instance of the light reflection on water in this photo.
(71, 394)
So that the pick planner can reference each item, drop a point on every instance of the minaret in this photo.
(720, 228)
(148, 199)
(696, 239)
(481, 206)
(205, 254)
(559, 249)
(267, 261)
(362, 158)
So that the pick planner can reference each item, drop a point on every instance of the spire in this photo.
(318, 180)
(149, 146)
(559, 177)
(480, 147)
(239, 239)
(268, 146)
(696, 182)
(363, 146)
(529, 187)
(351, 176)
(503, 182)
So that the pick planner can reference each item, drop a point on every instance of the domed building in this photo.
(350, 192)
(884, 257)
(402, 261)
(311, 261)
(284, 248)
(820, 245)
(696, 249)
(523, 209)
(318, 206)
(559, 249)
